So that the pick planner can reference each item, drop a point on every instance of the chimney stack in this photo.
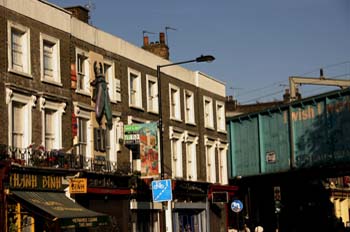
(159, 48)
(80, 13)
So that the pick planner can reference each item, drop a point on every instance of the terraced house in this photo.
(80, 137)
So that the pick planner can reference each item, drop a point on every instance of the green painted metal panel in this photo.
(322, 132)
(245, 148)
(274, 144)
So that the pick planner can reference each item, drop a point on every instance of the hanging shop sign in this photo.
(145, 136)
(78, 185)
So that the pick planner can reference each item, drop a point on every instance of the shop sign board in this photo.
(78, 185)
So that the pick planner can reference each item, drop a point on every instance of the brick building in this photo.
(51, 125)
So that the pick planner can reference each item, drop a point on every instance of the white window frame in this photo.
(191, 156)
(222, 162)
(152, 96)
(176, 140)
(86, 90)
(56, 67)
(138, 88)
(83, 111)
(115, 134)
(25, 40)
(113, 82)
(208, 112)
(189, 107)
(174, 103)
(220, 116)
(210, 161)
(29, 102)
(59, 109)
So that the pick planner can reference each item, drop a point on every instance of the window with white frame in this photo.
(220, 116)
(18, 48)
(176, 139)
(18, 112)
(189, 107)
(52, 123)
(19, 118)
(152, 94)
(174, 101)
(49, 129)
(210, 160)
(83, 72)
(115, 135)
(208, 112)
(50, 59)
(135, 91)
(84, 140)
(222, 163)
(113, 82)
(82, 135)
(191, 156)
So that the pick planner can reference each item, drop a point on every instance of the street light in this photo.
(202, 58)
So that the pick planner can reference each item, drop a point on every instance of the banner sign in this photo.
(144, 135)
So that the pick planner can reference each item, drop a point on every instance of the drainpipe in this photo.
(207, 208)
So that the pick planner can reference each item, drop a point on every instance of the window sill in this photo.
(176, 119)
(152, 112)
(114, 101)
(52, 82)
(191, 123)
(23, 74)
(210, 128)
(137, 107)
(222, 131)
(83, 92)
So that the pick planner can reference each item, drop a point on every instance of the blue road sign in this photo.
(236, 206)
(161, 190)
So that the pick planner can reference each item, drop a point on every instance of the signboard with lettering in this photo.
(145, 135)
(78, 185)
(35, 182)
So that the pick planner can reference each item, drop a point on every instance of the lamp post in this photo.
(207, 58)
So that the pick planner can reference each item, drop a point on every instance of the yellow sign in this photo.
(78, 185)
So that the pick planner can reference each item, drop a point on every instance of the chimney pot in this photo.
(161, 38)
(145, 40)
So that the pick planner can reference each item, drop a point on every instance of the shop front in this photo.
(37, 202)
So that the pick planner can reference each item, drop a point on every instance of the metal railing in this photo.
(39, 157)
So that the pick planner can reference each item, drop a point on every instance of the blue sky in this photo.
(257, 44)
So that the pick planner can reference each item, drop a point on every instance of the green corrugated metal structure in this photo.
(312, 132)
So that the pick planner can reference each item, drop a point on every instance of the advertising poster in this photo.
(144, 136)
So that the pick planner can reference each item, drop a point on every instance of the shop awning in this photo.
(63, 210)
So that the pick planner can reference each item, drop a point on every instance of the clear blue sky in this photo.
(258, 44)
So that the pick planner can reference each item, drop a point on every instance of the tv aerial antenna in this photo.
(166, 33)
(90, 6)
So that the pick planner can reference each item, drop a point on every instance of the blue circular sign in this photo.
(236, 206)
